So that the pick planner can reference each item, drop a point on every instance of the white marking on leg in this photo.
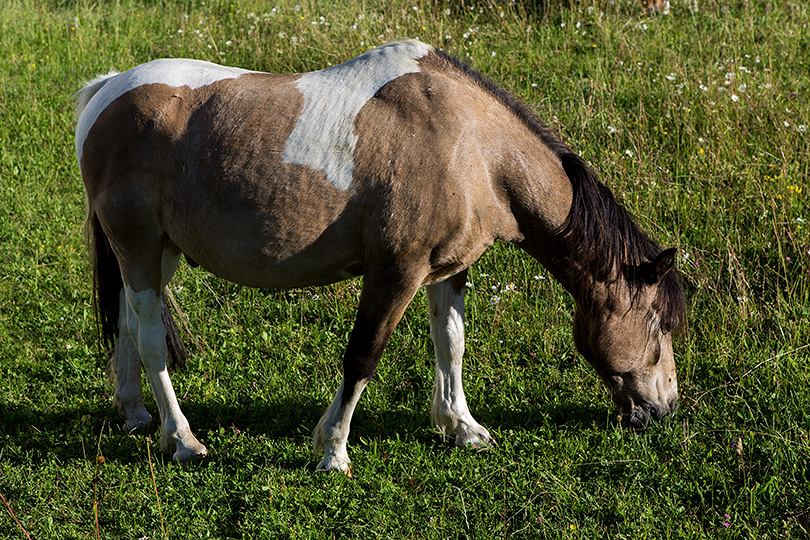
(449, 411)
(324, 137)
(169, 71)
(146, 330)
(332, 430)
(128, 399)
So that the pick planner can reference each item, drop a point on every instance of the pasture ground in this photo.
(698, 121)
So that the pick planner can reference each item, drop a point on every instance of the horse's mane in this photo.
(603, 236)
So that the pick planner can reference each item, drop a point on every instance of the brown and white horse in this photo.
(401, 165)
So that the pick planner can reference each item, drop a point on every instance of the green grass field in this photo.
(698, 121)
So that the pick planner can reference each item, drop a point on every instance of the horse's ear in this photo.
(657, 268)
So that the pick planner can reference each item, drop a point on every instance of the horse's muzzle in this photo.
(639, 416)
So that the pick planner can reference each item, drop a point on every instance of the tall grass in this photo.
(697, 121)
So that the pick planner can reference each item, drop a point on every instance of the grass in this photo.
(698, 121)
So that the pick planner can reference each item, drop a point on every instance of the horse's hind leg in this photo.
(449, 413)
(142, 326)
(128, 399)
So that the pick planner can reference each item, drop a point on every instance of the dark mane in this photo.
(602, 234)
(606, 237)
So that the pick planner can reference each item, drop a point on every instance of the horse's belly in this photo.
(282, 260)
(267, 225)
(286, 274)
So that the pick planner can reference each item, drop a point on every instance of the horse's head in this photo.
(626, 335)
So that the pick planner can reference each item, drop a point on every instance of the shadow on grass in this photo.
(569, 416)
(33, 436)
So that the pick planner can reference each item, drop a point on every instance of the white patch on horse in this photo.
(449, 412)
(324, 137)
(332, 430)
(169, 71)
(145, 328)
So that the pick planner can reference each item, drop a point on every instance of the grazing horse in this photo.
(402, 165)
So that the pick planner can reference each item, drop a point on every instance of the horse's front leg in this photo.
(383, 300)
(449, 413)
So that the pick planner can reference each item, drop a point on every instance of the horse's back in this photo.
(284, 180)
(205, 161)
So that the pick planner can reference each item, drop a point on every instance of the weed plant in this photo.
(698, 121)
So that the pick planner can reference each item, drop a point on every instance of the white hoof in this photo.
(187, 455)
(464, 431)
(332, 442)
(474, 436)
(189, 452)
(136, 416)
(182, 445)
(333, 462)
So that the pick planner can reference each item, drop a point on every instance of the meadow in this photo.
(698, 122)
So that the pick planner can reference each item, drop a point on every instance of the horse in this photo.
(401, 165)
(656, 7)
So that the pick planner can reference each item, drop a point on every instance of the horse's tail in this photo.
(107, 281)
(89, 90)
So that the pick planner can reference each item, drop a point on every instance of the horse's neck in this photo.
(540, 196)
(528, 172)
(554, 253)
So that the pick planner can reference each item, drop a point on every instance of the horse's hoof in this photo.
(190, 456)
(333, 463)
(476, 444)
(188, 451)
(139, 425)
(474, 437)
(193, 460)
